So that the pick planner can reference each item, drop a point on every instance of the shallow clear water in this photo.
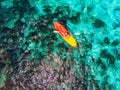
(27, 31)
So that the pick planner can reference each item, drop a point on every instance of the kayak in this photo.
(65, 34)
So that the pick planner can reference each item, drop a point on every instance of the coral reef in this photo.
(30, 75)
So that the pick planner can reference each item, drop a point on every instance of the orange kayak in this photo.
(65, 34)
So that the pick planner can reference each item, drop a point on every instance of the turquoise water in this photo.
(27, 26)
